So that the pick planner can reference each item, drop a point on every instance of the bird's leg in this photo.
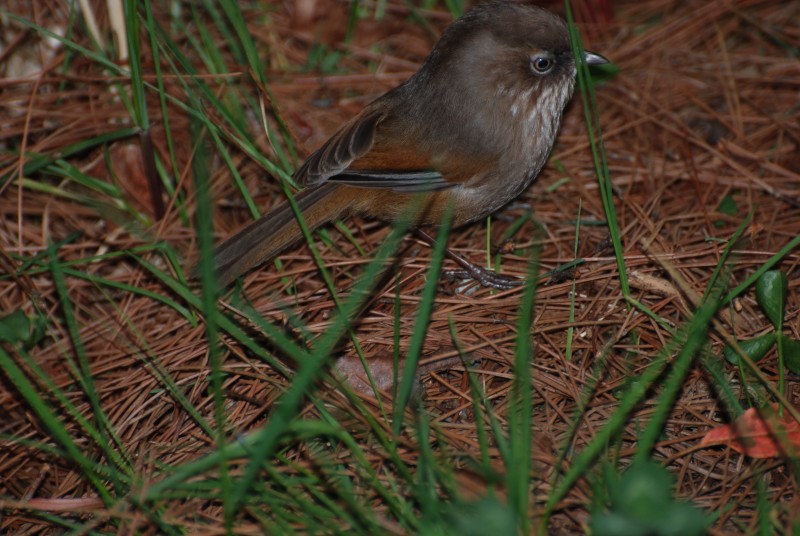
(484, 276)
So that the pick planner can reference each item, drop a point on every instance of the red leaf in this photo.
(759, 434)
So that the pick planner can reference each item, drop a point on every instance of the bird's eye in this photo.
(541, 64)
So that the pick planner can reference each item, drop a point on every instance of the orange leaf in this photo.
(759, 434)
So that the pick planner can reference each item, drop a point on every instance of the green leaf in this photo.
(728, 207)
(485, 516)
(15, 327)
(755, 348)
(604, 73)
(791, 353)
(642, 504)
(771, 289)
(643, 491)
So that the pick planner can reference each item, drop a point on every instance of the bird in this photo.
(471, 129)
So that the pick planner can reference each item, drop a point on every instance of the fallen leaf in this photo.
(759, 434)
(127, 167)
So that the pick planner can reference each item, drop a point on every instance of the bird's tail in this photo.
(266, 237)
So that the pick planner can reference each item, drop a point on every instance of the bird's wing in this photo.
(398, 180)
(359, 155)
(350, 142)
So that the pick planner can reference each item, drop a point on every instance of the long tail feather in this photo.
(266, 237)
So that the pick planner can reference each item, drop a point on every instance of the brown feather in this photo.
(268, 236)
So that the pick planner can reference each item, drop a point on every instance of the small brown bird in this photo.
(473, 127)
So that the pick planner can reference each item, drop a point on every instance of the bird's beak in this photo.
(593, 58)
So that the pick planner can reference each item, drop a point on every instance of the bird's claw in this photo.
(486, 277)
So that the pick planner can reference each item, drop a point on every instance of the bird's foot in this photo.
(484, 276)
(469, 270)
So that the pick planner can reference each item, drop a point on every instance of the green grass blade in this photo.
(594, 130)
(520, 416)
(52, 421)
(421, 324)
(208, 296)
